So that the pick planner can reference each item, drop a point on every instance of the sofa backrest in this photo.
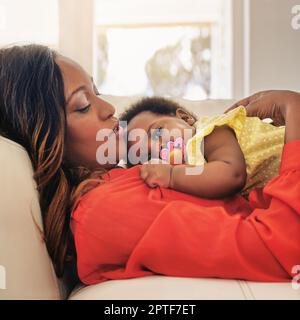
(199, 108)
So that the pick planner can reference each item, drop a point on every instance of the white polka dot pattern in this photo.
(260, 142)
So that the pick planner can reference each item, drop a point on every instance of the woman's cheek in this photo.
(85, 132)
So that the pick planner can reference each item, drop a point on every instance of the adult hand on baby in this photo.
(274, 104)
(156, 173)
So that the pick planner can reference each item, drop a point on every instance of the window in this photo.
(30, 21)
(145, 47)
(172, 48)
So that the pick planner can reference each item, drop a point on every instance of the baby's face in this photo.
(155, 131)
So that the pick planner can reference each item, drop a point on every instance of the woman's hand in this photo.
(274, 104)
(282, 106)
(156, 173)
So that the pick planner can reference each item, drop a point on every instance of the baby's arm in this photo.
(225, 171)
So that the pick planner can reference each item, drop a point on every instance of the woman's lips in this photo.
(117, 130)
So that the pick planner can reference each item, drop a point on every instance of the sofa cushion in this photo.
(175, 288)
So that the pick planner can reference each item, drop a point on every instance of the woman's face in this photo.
(87, 113)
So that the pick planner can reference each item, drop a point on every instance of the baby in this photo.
(240, 153)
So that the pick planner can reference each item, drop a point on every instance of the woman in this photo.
(49, 104)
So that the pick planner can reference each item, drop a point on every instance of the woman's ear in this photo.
(186, 116)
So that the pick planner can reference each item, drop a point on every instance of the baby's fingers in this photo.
(144, 173)
(151, 182)
(156, 161)
(147, 174)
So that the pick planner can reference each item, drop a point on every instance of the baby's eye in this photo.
(156, 133)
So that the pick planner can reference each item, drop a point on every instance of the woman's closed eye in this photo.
(84, 109)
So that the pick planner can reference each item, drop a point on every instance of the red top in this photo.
(124, 229)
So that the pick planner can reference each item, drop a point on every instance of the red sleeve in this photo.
(208, 242)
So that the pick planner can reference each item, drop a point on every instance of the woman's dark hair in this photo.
(157, 105)
(33, 114)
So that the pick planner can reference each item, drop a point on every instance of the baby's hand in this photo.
(156, 173)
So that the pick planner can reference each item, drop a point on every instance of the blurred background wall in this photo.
(196, 49)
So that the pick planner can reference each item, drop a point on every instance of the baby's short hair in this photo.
(157, 105)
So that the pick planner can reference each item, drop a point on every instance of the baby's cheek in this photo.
(155, 147)
(133, 148)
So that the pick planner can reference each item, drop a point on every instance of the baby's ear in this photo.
(186, 116)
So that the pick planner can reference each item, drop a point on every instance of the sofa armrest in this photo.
(23, 255)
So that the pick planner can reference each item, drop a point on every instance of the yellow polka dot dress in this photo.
(260, 142)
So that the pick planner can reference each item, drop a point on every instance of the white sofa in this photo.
(28, 272)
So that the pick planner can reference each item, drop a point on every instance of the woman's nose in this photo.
(105, 110)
